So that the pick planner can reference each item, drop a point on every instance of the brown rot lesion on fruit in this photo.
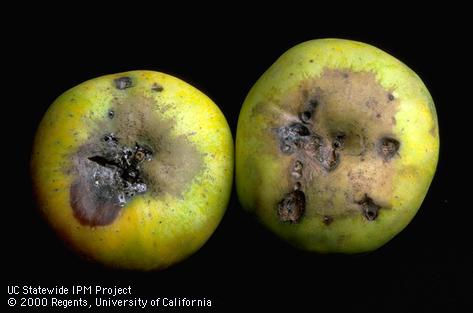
(388, 147)
(292, 207)
(369, 208)
(345, 113)
(157, 87)
(123, 83)
(107, 179)
(123, 158)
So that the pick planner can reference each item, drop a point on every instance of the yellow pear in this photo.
(133, 170)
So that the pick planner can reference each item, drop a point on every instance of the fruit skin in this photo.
(151, 231)
(261, 168)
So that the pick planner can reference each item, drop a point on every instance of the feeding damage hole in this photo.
(305, 116)
(157, 87)
(297, 169)
(298, 138)
(123, 83)
(338, 141)
(111, 114)
(388, 147)
(369, 208)
(107, 180)
(292, 207)
(327, 220)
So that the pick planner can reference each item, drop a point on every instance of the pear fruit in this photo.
(337, 144)
(133, 170)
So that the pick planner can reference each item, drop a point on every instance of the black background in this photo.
(242, 266)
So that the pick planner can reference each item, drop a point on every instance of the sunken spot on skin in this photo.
(388, 147)
(369, 208)
(123, 83)
(292, 207)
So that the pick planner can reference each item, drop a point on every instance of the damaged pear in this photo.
(337, 144)
(133, 170)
